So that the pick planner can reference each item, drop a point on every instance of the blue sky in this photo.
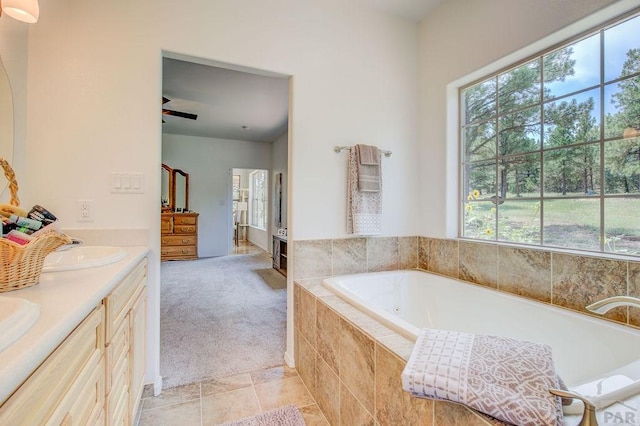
(618, 41)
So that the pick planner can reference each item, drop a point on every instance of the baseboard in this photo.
(157, 386)
(290, 360)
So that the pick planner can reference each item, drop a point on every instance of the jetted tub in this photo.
(583, 347)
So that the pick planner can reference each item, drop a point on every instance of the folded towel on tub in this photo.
(505, 378)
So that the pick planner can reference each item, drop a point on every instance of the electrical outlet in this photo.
(85, 211)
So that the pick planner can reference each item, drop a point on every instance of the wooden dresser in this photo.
(179, 239)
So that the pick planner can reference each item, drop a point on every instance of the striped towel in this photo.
(505, 378)
(364, 209)
(368, 164)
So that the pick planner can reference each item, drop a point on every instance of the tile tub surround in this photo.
(563, 279)
(325, 258)
(351, 365)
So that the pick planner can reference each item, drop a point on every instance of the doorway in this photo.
(203, 290)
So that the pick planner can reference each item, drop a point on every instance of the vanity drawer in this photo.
(36, 400)
(179, 251)
(184, 220)
(117, 349)
(84, 403)
(119, 302)
(178, 240)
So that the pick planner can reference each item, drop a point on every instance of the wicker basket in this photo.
(21, 265)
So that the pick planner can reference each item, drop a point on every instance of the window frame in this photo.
(257, 200)
(537, 51)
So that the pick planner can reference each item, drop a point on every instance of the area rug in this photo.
(219, 317)
(288, 415)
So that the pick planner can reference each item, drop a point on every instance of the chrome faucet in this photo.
(605, 305)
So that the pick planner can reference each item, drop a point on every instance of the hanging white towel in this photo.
(364, 209)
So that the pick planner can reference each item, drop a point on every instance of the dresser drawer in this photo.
(181, 240)
(179, 251)
(184, 220)
(184, 229)
(166, 224)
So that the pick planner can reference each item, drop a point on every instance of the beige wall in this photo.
(458, 38)
(94, 96)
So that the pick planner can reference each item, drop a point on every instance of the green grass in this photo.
(571, 223)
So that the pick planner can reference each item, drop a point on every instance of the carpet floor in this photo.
(220, 316)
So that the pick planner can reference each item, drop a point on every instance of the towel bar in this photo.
(340, 148)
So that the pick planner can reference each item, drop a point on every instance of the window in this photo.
(550, 148)
(258, 199)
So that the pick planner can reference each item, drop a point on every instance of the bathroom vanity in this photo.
(83, 362)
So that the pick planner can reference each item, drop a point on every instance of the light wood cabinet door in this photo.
(45, 397)
(137, 350)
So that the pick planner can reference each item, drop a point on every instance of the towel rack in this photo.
(340, 148)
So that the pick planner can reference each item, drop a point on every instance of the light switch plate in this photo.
(127, 183)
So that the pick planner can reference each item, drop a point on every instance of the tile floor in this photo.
(231, 398)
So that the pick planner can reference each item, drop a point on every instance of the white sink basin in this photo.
(17, 316)
(82, 257)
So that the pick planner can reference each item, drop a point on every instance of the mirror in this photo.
(181, 185)
(167, 183)
(175, 190)
(6, 116)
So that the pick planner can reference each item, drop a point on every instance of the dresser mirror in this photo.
(167, 183)
(181, 190)
(175, 190)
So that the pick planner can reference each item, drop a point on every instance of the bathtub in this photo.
(583, 347)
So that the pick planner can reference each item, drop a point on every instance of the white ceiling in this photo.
(413, 10)
(225, 100)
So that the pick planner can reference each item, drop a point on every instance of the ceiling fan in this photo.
(176, 113)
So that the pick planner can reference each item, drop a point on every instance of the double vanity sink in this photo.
(18, 315)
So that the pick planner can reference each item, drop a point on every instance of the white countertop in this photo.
(65, 299)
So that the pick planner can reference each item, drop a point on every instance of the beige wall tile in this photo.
(443, 257)
(277, 393)
(306, 362)
(313, 416)
(448, 413)
(228, 406)
(423, 253)
(312, 259)
(351, 411)
(393, 405)
(408, 252)
(479, 263)
(296, 305)
(349, 256)
(307, 316)
(525, 272)
(580, 280)
(382, 254)
(357, 364)
(634, 290)
(327, 392)
(328, 335)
